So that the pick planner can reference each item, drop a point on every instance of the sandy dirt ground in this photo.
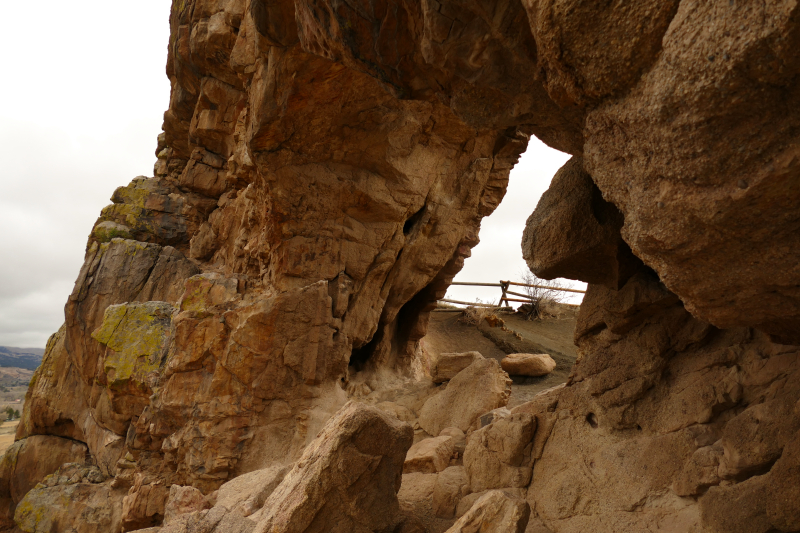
(554, 336)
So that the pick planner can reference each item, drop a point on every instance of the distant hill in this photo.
(28, 358)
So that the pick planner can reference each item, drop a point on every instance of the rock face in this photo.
(321, 177)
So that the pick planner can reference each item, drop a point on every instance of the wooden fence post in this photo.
(504, 288)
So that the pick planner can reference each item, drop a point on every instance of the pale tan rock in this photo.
(494, 415)
(444, 366)
(214, 520)
(479, 388)
(143, 505)
(28, 461)
(183, 500)
(466, 503)
(495, 512)
(499, 455)
(451, 485)
(430, 455)
(402, 413)
(416, 490)
(528, 364)
(459, 439)
(247, 493)
(348, 477)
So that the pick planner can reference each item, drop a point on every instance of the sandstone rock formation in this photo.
(321, 177)
(346, 480)
(445, 366)
(479, 388)
(430, 455)
(528, 364)
(494, 512)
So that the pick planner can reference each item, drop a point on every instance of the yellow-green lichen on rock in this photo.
(135, 334)
(205, 291)
(108, 230)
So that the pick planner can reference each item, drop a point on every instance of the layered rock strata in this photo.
(321, 177)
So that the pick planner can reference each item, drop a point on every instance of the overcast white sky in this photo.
(83, 94)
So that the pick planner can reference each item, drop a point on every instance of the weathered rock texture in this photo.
(669, 423)
(321, 177)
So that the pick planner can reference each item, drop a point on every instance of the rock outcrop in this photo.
(321, 177)
(479, 388)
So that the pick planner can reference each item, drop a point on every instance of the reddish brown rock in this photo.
(322, 176)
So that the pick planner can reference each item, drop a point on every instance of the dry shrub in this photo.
(474, 315)
(545, 298)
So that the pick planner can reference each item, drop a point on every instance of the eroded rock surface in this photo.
(346, 480)
(321, 177)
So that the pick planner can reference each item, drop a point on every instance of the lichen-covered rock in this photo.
(325, 168)
(479, 388)
(346, 480)
(71, 499)
(135, 336)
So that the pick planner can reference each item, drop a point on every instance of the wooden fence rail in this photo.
(504, 286)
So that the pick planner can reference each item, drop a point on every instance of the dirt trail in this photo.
(446, 333)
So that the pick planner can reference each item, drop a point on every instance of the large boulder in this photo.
(477, 389)
(573, 233)
(346, 480)
(29, 460)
